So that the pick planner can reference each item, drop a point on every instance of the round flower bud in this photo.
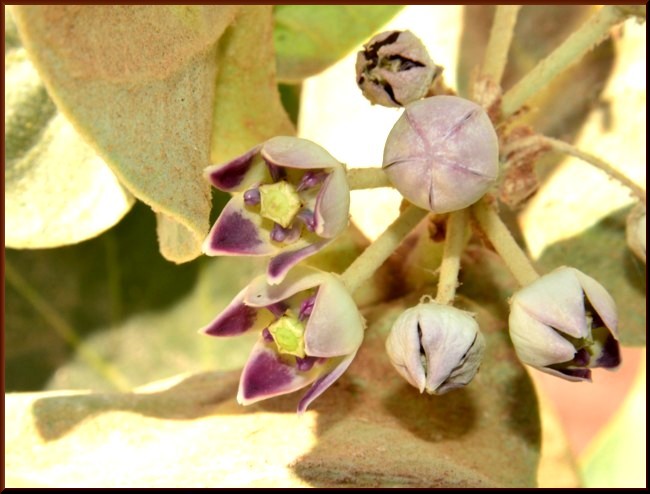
(395, 69)
(442, 154)
(635, 231)
(435, 347)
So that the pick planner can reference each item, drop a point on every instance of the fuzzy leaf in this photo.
(140, 84)
(57, 190)
(309, 38)
(369, 429)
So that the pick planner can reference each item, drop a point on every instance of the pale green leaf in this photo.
(370, 429)
(57, 190)
(138, 82)
(247, 108)
(309, 38)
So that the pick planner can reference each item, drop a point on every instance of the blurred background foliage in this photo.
(107, 312)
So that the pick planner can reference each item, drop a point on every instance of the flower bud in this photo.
(435, 347)
(442, 154)
(395, 69)
(635, 231)
(564, 324)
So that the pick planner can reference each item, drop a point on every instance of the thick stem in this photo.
(496, 53)
(367, 178)
(564, 147)
(64, 330)
(587, 37)
(454, 243)
(503, 242)
(376, 253)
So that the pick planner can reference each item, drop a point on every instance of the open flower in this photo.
(435, 347)
(310, 332)
(564, 324)
(292, 198)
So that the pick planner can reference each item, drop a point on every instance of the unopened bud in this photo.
(435, 347)
(442, 154)
(395, 69)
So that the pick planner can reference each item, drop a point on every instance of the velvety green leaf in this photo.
(247, 106)
(138, 83)
(370, 429)
(112, 313)
(57, 190)
(602, 252)
(309, 38)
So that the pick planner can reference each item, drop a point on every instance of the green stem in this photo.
(454, 243)
(376, 253)
(367, 178)
(505, 245)
(64, 330)
(587, 37)
(564, 147)
(496, 53)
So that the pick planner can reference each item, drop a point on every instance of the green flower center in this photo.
(288, 333)
(279, 202)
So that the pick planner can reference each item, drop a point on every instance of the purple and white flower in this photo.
(564, 324)
(310, 331)
(291, 199)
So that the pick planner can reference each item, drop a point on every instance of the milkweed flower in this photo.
(310, 331)
(435, 347)
(565, 324)
(291, 199)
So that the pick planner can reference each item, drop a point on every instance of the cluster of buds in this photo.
(291, 199)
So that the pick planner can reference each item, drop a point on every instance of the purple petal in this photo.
(308, 218)
(306, 307)
(237, 318)
(324, 382)
(332, 205)
(238, 232)
(610, 356)
(266, 374)
(579, 374)
(231, 175)
(280, 265)
(285, 235)
(311, 179)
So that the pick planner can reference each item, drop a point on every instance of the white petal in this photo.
(600, 299)
(403, 349)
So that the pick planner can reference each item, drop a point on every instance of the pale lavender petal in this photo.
(261, 293)
(332, 205)
(308, 218)
(324, 382)
(599, 299)
(294, 152)
(238, 232)
(335, 326)
(230, 176)
(266, 374)
(237, 318)
(557, 300)
(280, 265)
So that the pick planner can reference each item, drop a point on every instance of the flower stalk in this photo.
(376, 253)
(504, 243)
(454, 243)
(496, 53)
(587, 37)
(367, 178)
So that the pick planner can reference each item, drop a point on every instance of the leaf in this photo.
(247, 107)
(111, 313)
(370, 429)
(57, 190)
(602, 252)
(309, 38)
(139, 83)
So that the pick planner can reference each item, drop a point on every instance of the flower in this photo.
(435, 347)
(292, 198)
(635, 231)
(442, 154)
(564, 324)
(394, 69)
(310, 332)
